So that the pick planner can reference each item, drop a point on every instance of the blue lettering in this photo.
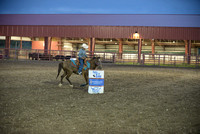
(95, 89)
(96, 82)
(97, 75)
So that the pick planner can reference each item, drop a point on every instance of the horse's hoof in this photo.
(60, 85)
(82, 85)
(71, 86)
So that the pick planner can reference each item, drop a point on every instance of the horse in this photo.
(69, 67)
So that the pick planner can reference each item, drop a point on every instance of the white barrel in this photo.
(96, 82)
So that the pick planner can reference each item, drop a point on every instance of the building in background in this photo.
(159, 34)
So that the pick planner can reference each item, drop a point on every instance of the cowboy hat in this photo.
(85, 46)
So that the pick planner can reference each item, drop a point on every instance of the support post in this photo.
(188, 50)
(47, 45)
(7, 47)
(91, 46)
(139, 50)
(20, 43)
(60, 44)
(120, 48)
(186, 47)
(50, 42)
(153, 47)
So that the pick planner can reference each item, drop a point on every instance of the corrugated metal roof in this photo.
(155, 20)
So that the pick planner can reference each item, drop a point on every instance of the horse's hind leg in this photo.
(67, 78)
(61, 80)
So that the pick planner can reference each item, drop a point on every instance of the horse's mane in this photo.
(93, 58)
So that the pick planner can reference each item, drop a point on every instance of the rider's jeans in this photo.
(81, 65)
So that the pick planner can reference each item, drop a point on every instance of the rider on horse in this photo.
(82, 56)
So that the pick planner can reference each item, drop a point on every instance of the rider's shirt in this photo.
(82, 54)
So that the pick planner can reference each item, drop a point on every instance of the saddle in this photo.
(76, 63)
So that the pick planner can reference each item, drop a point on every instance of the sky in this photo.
(99, 6)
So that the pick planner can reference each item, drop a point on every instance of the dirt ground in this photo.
(137, 100)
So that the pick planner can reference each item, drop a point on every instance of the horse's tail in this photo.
(60, 66)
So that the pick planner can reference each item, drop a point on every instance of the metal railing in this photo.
(33, 54)
(125, 58)
(160, 59)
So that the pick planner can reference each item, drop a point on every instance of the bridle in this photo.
(98, 63)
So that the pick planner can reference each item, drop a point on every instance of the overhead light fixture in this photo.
(136, 35)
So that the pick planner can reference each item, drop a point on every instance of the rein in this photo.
(96, 63)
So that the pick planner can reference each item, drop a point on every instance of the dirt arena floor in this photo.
(137, 100)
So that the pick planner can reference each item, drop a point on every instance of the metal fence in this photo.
(125, 58)
(160, 60)
(33, 54)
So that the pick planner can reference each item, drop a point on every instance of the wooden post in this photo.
(139, 49)
(50, 42)
(143, 59)
(59, 44)
(188, 50)
(90, 44)
(47, 45)
(20, 43)
(186, 47)
(93, 46)
(153, 47)
(7, 47)
(120, 48)
(189, 47)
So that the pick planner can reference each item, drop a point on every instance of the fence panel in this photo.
(125, 58)
(33, 54)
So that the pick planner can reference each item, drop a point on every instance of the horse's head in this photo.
(97, 62)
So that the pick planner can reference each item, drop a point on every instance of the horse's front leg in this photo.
(86, 78)
(85, 75)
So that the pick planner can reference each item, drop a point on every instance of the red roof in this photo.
(155, 20)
